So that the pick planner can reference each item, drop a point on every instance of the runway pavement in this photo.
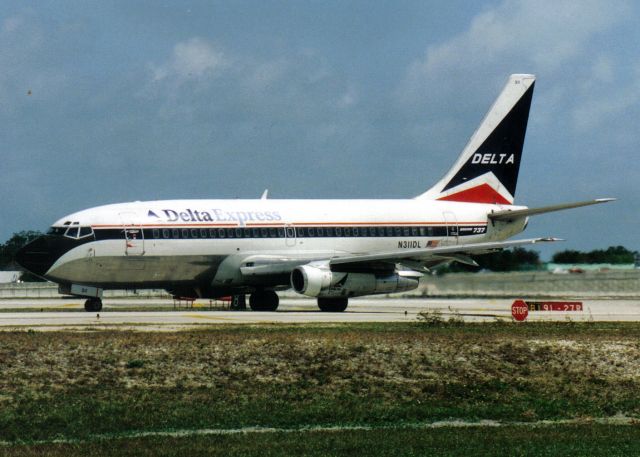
(53, 314)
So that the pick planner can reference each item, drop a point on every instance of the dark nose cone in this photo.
(37, 256)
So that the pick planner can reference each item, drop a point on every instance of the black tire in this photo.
(238, 303)
(264, 300)
(93, 305)
(333, 305)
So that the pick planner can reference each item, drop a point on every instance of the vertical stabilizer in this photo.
(487, 169)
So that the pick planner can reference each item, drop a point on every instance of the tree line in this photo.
(520, 259)
(613, 255)
(10, 247)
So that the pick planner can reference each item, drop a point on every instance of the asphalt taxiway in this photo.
(52, 314)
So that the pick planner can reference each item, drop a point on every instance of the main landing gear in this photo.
(333, 305)
(93, 304)
(238, 303)
(264, 300)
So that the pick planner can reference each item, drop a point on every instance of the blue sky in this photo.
(102, 102)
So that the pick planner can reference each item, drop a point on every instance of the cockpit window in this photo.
(72, 232)
(78, 232)
(85, 231)
(56, 231)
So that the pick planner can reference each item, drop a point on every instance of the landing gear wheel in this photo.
(264, 300)
(238, 303)
(333, 305)
(93, 305)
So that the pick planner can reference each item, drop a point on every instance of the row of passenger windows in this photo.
(291, 232)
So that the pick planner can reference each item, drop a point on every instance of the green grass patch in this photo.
(76, 385)
(565, 440)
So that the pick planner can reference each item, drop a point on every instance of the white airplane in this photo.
(329, 249)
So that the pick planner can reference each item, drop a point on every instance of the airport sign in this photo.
(565, 306)
(519, 310)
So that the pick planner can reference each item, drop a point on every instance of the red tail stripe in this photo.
(483, 193)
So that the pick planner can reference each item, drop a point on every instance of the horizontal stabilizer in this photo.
(509, 215)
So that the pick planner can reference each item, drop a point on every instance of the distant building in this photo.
(582, 267)
(10, 276)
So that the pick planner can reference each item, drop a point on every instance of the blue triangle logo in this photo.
(152, 214)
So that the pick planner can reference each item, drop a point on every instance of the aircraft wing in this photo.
(415, 258)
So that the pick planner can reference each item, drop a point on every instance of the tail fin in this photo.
(487, 169)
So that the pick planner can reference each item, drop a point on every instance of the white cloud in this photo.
(515, 36)
(259, 76)
(201, 80)
(348, 98)
(602, 69)
(615, 100)
(194, 59)
(11, 24)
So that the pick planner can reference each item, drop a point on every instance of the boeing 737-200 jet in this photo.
(328, 249)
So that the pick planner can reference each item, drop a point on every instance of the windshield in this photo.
(74, 231)
(56, 231)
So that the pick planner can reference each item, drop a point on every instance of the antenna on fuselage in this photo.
(265, 194)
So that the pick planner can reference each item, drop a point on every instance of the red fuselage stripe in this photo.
(295, 224)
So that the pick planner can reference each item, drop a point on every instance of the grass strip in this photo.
(515, 440)
(73, 386)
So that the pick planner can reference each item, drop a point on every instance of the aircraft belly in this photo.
(138, 270)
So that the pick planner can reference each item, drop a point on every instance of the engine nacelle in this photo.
(308, 280)
(322, 282)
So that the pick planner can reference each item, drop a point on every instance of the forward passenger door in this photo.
(133, 234)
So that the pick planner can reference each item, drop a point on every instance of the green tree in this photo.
(10, 247)
(613, 255)
(517, 259)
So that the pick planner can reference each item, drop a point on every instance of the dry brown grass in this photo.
(384, 364)
(65, 384)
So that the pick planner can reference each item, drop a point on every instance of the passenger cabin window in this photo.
(76, 231)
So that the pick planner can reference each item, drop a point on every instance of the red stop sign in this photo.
(519, 310)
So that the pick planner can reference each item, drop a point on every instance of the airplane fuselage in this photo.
(204, 243)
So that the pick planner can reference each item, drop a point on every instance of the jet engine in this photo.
(317, 281)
